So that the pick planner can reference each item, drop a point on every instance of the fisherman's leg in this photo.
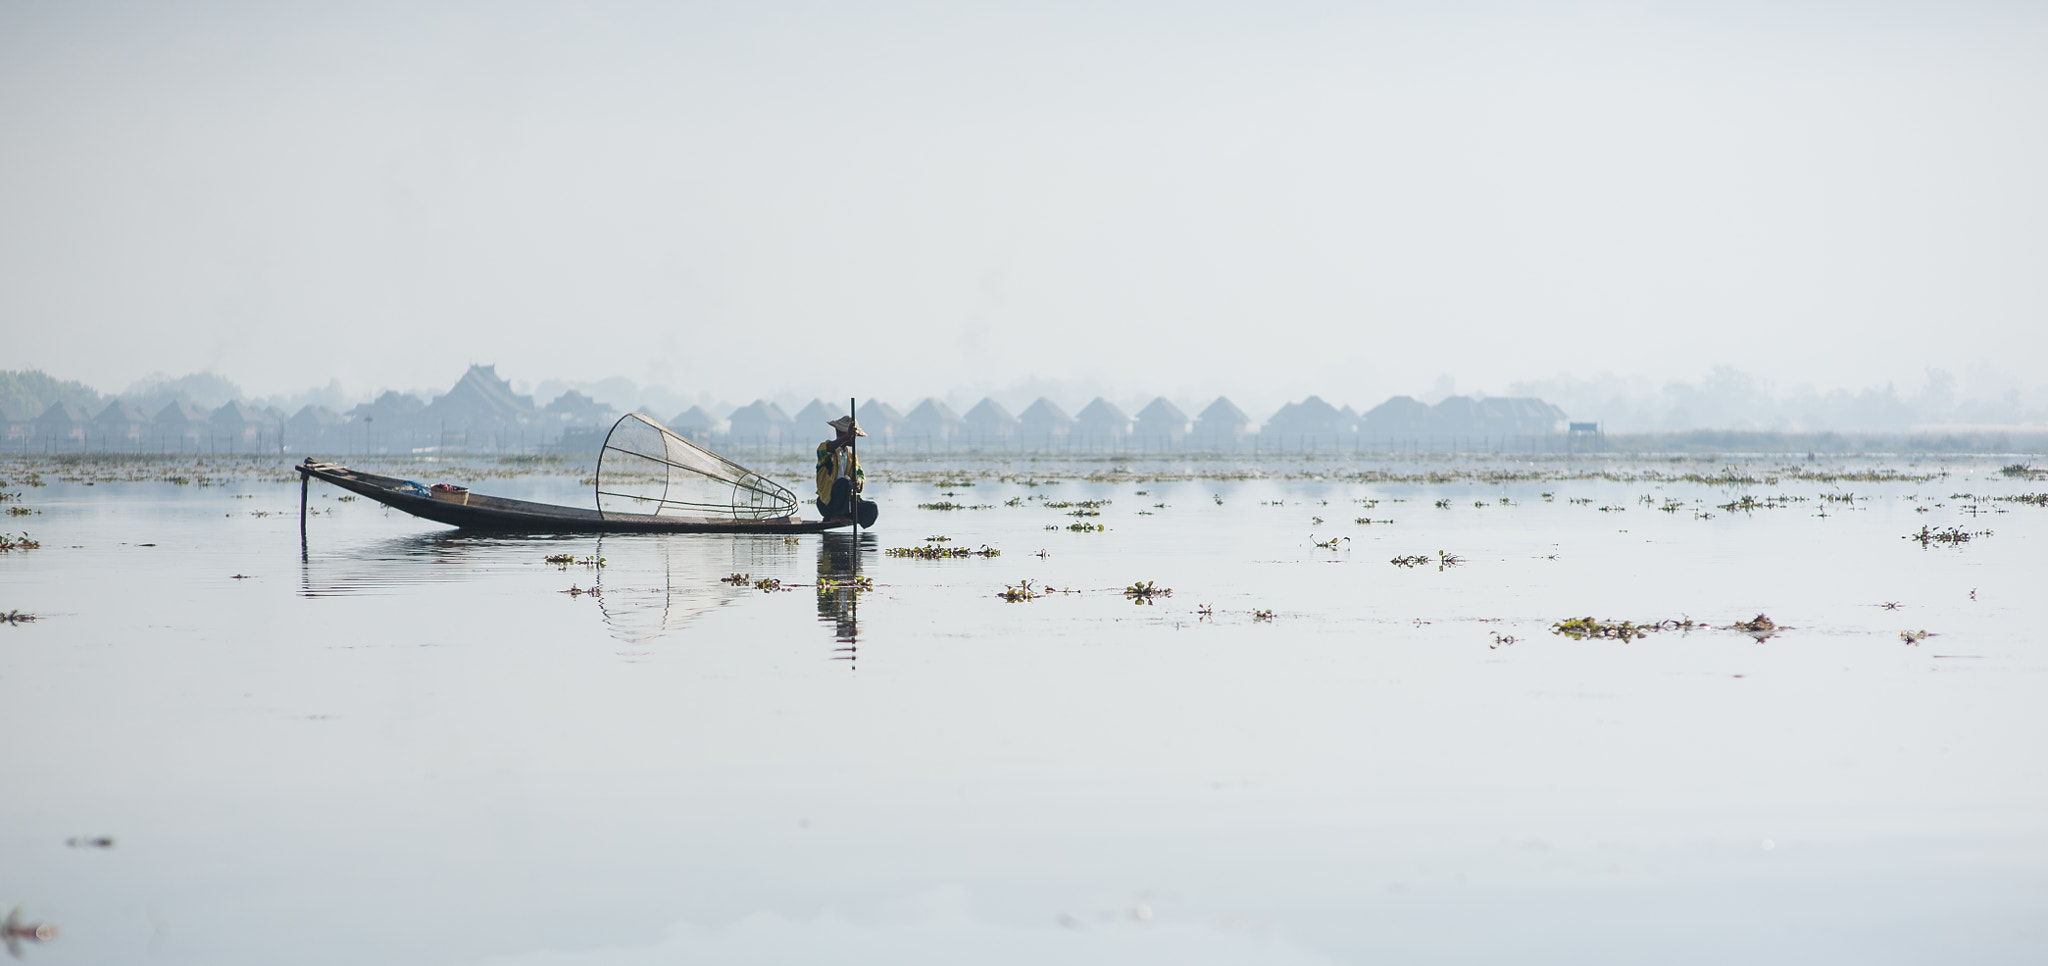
(842, 500)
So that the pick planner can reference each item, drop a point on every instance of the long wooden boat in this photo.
(475, 511)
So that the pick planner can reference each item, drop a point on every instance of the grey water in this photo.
(393, 742)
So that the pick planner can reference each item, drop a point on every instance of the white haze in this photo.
(737, 200)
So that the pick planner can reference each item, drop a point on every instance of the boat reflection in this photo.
(648, 588)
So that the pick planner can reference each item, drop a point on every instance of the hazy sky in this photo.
(894, 199)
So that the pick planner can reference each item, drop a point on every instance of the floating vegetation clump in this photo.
(1767, 503)
(567, 560)
(22, 542)
(1330, 544)
(769, 584)
(1760, 624)
(2036, 499)
(1262, 615)
(2022, 471)
(936, 552)
(950, 505)
(1587, 628)
(1024, 590)
(1086, 527)
(1447, 560)
(575, 591)
(1947, 536)
(1409, 560)
(16, 617)
(1145, 592)
(1915, 637)
(21, 511)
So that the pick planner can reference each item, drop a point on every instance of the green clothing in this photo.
(832, 464)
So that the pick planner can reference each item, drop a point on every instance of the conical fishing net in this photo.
(645, 470)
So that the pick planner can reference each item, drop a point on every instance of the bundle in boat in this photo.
(646, 471)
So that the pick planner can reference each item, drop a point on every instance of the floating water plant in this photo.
(1447, 560)
(1330, 544)
(1950, 536)
(1409, 560)
(575, 591)
(1145, 592)
(935, 552)
(1760, 624)
(21, 511)
(1587, 628)
(1024, 590)
(1915, 637)
(22, 542)
(16, 617)
(737, 580)
(950, 505)
(1262, 615)
(1086, 527)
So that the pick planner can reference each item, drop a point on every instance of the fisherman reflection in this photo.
(839, 588)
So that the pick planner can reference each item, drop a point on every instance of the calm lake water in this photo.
(399, 743)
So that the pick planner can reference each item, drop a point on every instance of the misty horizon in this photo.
(1728, 400)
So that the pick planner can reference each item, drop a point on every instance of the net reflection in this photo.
(651, 585)
(840, 585)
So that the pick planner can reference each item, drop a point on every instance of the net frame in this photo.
(646, 470)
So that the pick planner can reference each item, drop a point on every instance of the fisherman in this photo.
(839, 472)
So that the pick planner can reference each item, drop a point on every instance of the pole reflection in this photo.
(840, 586)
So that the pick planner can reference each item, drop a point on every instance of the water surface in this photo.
(400, 743)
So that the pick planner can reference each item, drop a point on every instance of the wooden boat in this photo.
(649, 480)
(481, 512)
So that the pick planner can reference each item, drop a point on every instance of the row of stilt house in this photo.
(1400, 423)
(482, 414)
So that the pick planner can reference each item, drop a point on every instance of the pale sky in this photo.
(896, 199)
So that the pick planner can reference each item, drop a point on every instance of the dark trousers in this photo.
(841, 505)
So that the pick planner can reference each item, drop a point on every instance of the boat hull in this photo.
(499, 514)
